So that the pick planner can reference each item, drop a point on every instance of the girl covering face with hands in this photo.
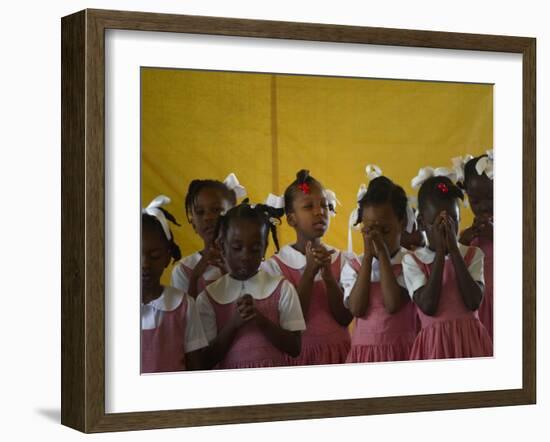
(445, 279)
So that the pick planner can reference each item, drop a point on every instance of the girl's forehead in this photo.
(209, 195)
(241, 228)
(313, 192)
(380, 212)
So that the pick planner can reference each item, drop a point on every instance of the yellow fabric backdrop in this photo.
(263, 127)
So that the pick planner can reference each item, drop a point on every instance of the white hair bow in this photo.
(485, 165)
(278, 202)
(458, 166)
(332, 200)
(411, 216)
(153, 209)
(373, 171)
(427, 172)
(233, 184)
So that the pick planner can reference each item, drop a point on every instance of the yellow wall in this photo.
(263, 127)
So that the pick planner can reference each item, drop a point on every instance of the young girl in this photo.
(445, 279)
(374, 286)
(478, 184)
(204, 202)
(251, 318)
(171, 332)
(314, 269)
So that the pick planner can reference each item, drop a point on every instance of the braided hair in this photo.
(195, 188)
(263, 215)
(382, 190)
(151, 222)
(301, 184)
(438, 188)
(470, 171)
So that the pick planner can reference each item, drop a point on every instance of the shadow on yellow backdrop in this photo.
(264, 127)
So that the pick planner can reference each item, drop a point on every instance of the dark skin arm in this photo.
(194, 360)
(211, 256)
(305, 286)
(393, 295)
(427, 297)
(471, 291)
(359, 296)
(481, 228)
(335, 293)
(219, 347)
(287, 341)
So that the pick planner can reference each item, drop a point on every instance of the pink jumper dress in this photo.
(250, 348)
(379, 336)
(454, 331)
(486, 307)
(324, 341)
(202, 282)
(162, 348)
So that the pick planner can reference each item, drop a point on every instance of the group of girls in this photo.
(419, 290)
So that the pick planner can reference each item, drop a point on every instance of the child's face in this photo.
(430, 212)
(243, 248)
(208, 207)
(383, 218)
(480, 195)
(311, 213)
(155, 257)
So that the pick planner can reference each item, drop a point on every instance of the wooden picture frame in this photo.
(83, 219)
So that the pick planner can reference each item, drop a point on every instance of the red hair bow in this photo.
(304, 187)
(443, 188)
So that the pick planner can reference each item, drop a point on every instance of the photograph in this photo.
(295, 220)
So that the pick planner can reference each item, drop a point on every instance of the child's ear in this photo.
(291, 219)
(220, 245)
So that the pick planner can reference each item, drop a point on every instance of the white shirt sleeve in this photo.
(194, 333)
(207, 316)
(477, 265)
(413, 275)
(290, 311)
(179, 278)
(270, 266)
(347, 280)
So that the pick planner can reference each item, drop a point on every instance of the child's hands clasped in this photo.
(246, 310)
(319, 258)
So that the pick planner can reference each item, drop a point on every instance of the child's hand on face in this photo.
(368, 245)
(439, 233)
(450, 234)
(379, 245)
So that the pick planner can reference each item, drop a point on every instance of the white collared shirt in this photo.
(226, 290)
(180, 279)
(170, 299)
(297, 261)
(416, 278)
(349, 275)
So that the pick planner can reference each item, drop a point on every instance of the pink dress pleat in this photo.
(162, 348)
(324, 341)
(202, 283)
(454, 331)
(250, 348)
(486, 307)
(379, 336)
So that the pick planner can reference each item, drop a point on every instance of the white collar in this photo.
(296, 260)
(212, 272)
(226, 289)
(169, 300)
(427, 256)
